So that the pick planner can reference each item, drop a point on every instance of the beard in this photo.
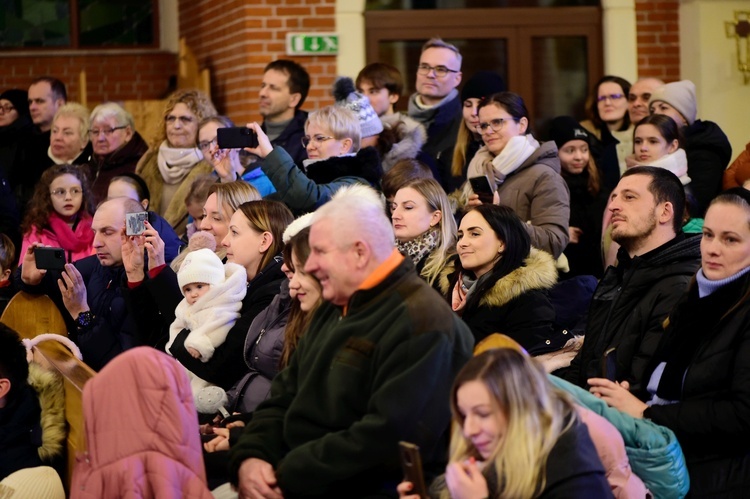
(633, 238)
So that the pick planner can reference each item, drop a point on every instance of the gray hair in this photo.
(439, 43)
(113, 110)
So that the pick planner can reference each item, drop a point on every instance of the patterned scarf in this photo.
(421, 246)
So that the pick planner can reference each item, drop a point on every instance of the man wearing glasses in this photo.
(436, 104)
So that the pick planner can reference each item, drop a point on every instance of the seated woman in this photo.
(588, 196)
(222, 202)
(525, 173)
(515, 435)
(69, 139)
(131, 185)
(497, 281)
(117, 146)
(174, 160)
(226, 162)
(60, 213)
(254, 241)
(699, 374)
(424, 226)
(332, 139)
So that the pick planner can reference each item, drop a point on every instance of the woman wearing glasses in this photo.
(609, 123)
(334, 159)
(227, 163)
(174, 160)
(59, 213)
(117, 146)
(525, 173)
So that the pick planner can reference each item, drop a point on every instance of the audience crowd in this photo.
(530, 313)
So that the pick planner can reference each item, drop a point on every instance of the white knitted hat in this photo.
(681, 96)
(346, 95)
(41, 482)
(201, 266)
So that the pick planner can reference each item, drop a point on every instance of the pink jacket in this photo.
(82, 239)
(141, 431)
(611, 449)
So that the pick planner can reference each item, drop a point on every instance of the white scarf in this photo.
(675, 163)
(514, 154)
(175, 163)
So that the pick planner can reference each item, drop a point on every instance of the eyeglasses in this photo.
(440, 71)
(61, 193)
(610, 97)
(495, 125)
(317, 140)
(185, 120)
(7, 108)
(106, 131)
(205, 145)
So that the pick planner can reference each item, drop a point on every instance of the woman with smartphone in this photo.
(498, 282)
(424, 226)
(699, 385)
(59, 213)
(515, 435)
(524, 173)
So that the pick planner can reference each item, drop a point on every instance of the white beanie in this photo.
(681, 96)
(41, 482)
(201, 266)
(346, 95)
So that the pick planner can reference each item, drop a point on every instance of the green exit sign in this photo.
(312, 44)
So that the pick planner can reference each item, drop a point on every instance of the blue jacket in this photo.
(653, 450)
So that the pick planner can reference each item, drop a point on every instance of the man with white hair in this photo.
(375, 368)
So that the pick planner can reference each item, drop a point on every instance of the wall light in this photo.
(740, 31)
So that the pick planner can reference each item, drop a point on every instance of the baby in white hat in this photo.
(213, 298)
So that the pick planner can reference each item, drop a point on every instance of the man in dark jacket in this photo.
(437, 104)
(88, 292)
(282, 93)
(375, 368)
(655, 263)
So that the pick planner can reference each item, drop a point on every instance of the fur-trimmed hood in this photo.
(365, 164)
(537, 272)
(51, 395)
(411, 138)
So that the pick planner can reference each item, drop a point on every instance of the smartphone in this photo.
(482, 187)
(135, 223)
(609, 365)
(411, 464)
(236, 138)
(50, 258)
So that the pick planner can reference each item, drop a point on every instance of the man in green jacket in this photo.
(375, 367)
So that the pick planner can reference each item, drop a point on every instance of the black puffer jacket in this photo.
(709, 340)
(708, 154)
(629, 307)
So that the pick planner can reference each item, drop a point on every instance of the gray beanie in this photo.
(681, 96)
(346, 95)
(201, 266)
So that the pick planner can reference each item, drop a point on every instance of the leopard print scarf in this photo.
(420, 246)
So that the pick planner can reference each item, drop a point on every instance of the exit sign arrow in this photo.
(312, 44)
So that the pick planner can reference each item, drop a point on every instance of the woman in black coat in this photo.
(700, 381)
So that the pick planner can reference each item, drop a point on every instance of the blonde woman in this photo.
(424, 226)
(515, 436)
(70, 135)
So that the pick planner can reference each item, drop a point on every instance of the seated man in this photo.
(24, 407)
(88, 292)
(655, 263)
(375, 368)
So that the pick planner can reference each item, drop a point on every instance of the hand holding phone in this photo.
(135, 223)
(482, 187)
(411, 464)
(49, 258)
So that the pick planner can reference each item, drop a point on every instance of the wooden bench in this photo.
(31, 315)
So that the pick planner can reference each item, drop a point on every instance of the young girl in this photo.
(514, 435)
(59, 213)
(213, 298)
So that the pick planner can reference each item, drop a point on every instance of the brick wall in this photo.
(658, 38)
(108, 77)
(235, 39)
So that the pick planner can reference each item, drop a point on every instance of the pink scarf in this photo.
(69, 240)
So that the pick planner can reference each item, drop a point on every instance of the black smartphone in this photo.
(482, 187)
(135, 223)
(236, 138)
(50, 258)
(609, 365)
(411, 464)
